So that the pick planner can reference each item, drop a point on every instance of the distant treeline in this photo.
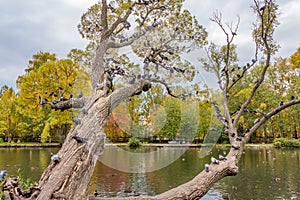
(25, 115)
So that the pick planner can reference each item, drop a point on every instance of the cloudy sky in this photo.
(27, 27)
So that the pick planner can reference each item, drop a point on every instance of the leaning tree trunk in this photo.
(60, 181)
(70, 178)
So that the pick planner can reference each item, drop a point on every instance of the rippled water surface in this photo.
(264, 173)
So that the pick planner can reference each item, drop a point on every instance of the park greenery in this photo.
(24, 119)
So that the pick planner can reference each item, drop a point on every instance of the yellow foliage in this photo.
(263, 106)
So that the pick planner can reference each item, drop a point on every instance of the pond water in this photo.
(264, 173)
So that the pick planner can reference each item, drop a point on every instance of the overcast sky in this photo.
(27, 27)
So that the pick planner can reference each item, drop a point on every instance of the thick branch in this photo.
(113, 27)
(128, 91)
(71, 103)
(104, 15)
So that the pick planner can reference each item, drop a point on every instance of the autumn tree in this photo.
(158, 32)
(9, 120)
(47, 80)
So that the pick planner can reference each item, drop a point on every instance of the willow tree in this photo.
(158, 32)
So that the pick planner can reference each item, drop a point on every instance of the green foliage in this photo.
(24, 184)
(134, 142)
(284, 142)
(46, 133)
(168, 118)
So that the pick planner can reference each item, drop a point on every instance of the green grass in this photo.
(29, 144)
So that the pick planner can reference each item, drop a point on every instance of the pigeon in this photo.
(206, 167)
(222, 157)
(2, 173)
(281, 103)
(42, 101)
(214, 161)
(62, 98)
(126, 25)
(236, 147)
(84, 110)
(80, 95)
(111, 8)
(213, 129)
(292, 97)
(262, 8)
(132, 81)
(162, 8)
(55, 158)
(76, 120)
(79, 139)
(55, 102)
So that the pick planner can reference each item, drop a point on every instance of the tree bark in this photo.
(77, 159)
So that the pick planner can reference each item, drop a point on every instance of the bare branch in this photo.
(108, 32)
(130, 40)
(268, 116)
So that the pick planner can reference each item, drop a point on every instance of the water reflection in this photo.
(264, 173)
(32, 161)
(140, 160)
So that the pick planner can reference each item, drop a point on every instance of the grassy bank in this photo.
(36, 144)
(29, 144)
(189, 145)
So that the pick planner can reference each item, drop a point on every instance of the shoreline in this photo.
(192, 145)
(29, 144)
(38, 145)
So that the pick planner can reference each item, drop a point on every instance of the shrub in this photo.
(277, 144)
(1, 140)
(284, 142)
(134, 142)
(25, 184)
